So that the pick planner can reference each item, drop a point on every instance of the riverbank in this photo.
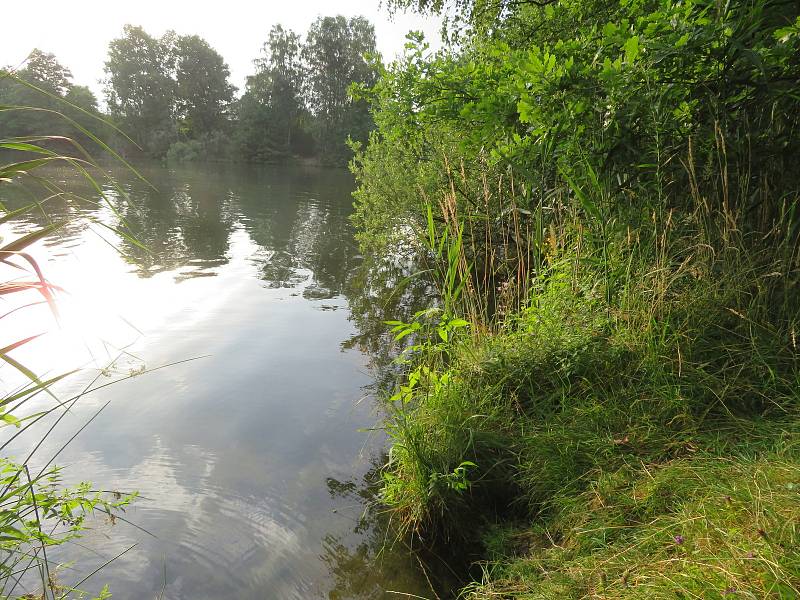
(603, 389)
(643, 447)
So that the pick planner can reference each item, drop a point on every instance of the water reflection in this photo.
(253, 270)
(384, 289)
(369, 562)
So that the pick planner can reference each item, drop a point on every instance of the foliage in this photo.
(172, 96)
(44, 85)
(165, 90)
(202, 93)
(299, 100)
(687, 97)
(140, 89)
(185, 151)
(571, 392)
(37, 513)
(272, 115)
(614, 184)
(339, 53)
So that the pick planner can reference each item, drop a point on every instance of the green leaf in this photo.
(25, 147)
(10, 419)
(15, 213)
(405, 332)
(22, 167)
(589, 206)
(631, 49)
(459, 323)
(26, 240)
(34, 388)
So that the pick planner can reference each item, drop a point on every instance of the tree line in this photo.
(171, 96)
(43, 86)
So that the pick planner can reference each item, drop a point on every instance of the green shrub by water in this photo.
(584, 437)
(603, 191)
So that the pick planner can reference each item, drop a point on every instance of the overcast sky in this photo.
(78, 31)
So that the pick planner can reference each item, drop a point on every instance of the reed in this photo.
(629, 383)
(37, 512)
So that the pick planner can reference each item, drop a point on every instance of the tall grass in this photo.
(625, 405)
(37, 513)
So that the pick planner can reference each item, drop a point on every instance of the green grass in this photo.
(650, 394)
(620, 420)
(695, 527)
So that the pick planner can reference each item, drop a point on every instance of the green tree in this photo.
(82, 97)
(203, 94)
(43, 72)
(272, 115)
(140, 87)
(282, 64)
(339, 53)
(253, 137)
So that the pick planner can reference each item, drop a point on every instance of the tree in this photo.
(337, 54)
(285, 70)
(203, 94)
(299, 100)
(43, 72)
(140, 88)
(82, 97)
(168, 88)
(272, 115)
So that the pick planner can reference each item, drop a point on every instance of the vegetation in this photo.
(606, 391)
(299, 95)
(61, 98)
(169, 90)
(37, 513)
(602, 199)
(172, 98)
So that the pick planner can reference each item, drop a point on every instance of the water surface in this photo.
(241, 456)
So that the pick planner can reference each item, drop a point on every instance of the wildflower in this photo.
(678, 539)
(727, 591)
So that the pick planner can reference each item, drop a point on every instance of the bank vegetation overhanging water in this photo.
(605, 397)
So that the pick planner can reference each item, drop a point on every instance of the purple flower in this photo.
(678, 539)
(728, 591)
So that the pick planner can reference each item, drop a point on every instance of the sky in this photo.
(78, 32)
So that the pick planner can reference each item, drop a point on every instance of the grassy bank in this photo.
(638, 441)
(605, 392)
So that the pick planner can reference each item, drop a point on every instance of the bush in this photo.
(190, 151)
(606, 191)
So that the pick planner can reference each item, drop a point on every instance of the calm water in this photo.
(244, 457)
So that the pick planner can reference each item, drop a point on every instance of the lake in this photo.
(242, 409)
